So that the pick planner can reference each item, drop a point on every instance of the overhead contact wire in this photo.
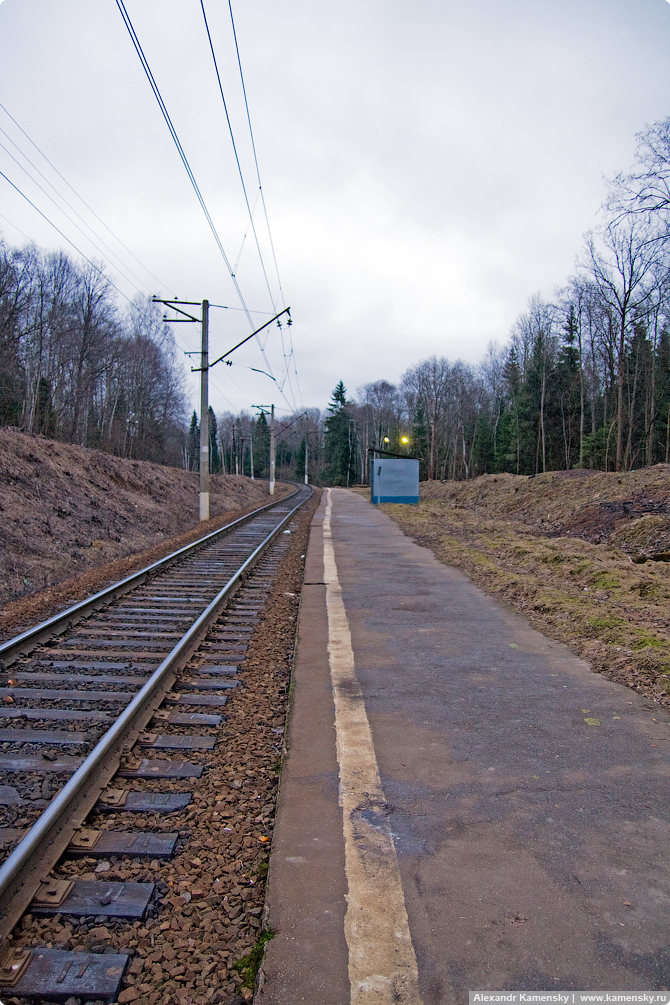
(237, 159)
(83, 201)
(173, 132)
(253, 147)
(120, 265)
(66, 238)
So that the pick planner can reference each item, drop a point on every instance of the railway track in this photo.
(112, 711)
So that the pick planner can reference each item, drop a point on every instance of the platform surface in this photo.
(526, 797)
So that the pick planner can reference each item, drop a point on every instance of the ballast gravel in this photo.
(207, 913)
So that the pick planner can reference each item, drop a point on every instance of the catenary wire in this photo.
(173, 132)
(179, 342)
(83, 201)
(28, 239)
(97, 268)
(253, 147)
(69, 218)
(161, 104)
(237, 159)
(66, 238)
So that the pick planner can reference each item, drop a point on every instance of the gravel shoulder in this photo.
(584, 555)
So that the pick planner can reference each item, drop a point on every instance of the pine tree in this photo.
(420, 439)
(339, 445)
(194, 444)
(300, 460)
(215, 465)
(261, 435)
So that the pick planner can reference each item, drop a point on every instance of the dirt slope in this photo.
(585, 555)
(66, 510)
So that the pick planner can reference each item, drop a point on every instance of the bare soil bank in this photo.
(79, 519)
(585, 555)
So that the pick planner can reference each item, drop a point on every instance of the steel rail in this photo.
(24, 643)
(38, 852)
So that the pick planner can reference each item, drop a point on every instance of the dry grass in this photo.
(571, 551)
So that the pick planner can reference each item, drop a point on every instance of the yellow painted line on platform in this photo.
(382, 963)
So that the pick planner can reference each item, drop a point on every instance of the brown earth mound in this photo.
(66, 511)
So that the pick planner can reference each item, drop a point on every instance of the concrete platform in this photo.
(520, 820)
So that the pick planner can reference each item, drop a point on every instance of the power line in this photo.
(83, 201)
(265, 212)
(66, 238)
(237, 159)
(173, 132)
(15, 228)
(97, 268)
(177, 341)
(61, 210)
(253, 147)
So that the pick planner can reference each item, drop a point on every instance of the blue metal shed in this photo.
(394, 480)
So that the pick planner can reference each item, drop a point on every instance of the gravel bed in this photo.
(207, 911)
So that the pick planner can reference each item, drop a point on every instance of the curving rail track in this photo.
(102, 694)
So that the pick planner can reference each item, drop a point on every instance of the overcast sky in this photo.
(426, 165)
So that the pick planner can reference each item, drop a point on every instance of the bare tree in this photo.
(621, 263)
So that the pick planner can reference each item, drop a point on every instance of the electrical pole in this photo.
(251, 452)
(204, 369)
(204, 415)
(306, 457)
(272, 450)
(178, 306)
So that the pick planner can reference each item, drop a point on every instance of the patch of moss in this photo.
(248, 966)
(605, 581)
(601, 624)
(649, 642)
(608, 629)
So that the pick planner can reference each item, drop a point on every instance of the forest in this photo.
(583, 381)
(75, 368)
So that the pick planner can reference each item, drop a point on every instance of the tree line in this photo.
(74, 367)
(584, 380)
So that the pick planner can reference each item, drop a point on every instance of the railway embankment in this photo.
(584, 555)
(73, 520)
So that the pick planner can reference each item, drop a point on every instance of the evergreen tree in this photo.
(261, 435)
(663, 371)
(420, 439)
(300, 461)
(215, 465)
(339, 444)
(510, 433)
(194, 444)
